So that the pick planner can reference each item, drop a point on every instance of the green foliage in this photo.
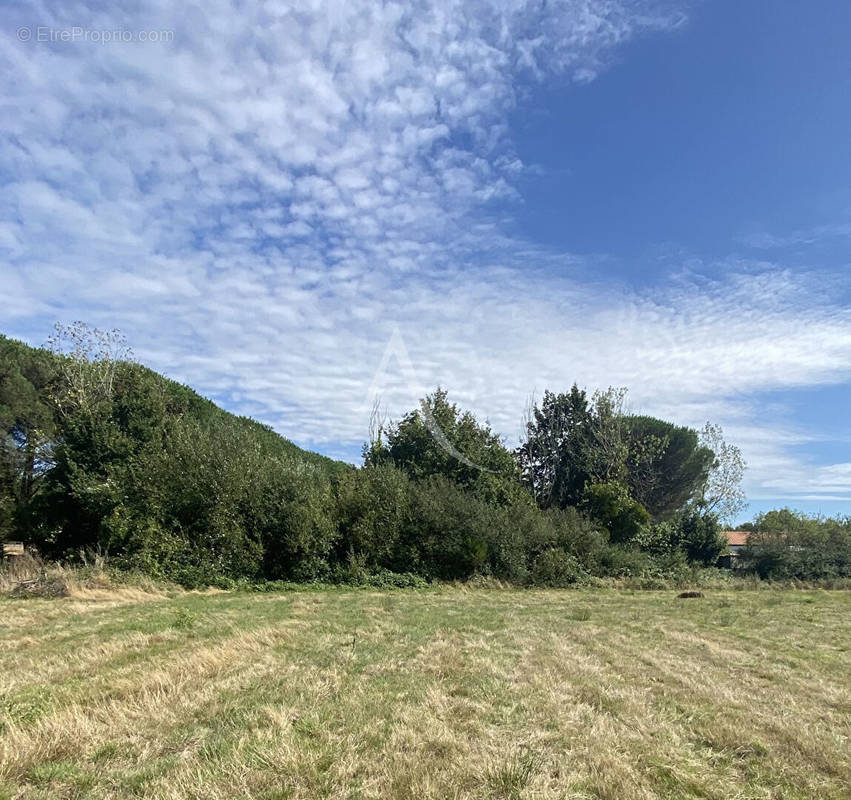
(447, 530)
(608, 442)
(699, 536)
(440, 439)
(666, 466)
(553, 457)
(184, 619)
(372, 508)
(450, 533)
(785, 544)
(621, 561)
(101, 454)
(693, 533)
(557, 568)
(610, 504)
(577, 533)
(162, 479)
(572, 442)
(354, 572)
(27, 430)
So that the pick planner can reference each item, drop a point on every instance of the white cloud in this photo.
(763, 240)
(261, 202)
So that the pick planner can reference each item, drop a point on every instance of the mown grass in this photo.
(446, 693)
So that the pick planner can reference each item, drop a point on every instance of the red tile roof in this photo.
(736, 538)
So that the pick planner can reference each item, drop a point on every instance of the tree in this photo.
(571, 442)
(553, 455)
(610, 504)
(791, 544)
(88, 361)
(371, 507)
(607, 446)
(447, 530)
(666, 465)
(722, 493)
(699, 536)
(91, 449)
(440, 439)
(27, 427)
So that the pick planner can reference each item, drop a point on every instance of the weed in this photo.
(507, 779)
(184, 619)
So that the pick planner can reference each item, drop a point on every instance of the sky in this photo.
(297, 208)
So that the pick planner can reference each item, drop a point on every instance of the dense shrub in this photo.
(167, 483)
(438, 439)
(785, 545)
(620, 561)
(576, 533)
(557, 568)
(610, 503)
(446, 532)
(693, 533)
(104, 455)
(698, 535)
(372, 505)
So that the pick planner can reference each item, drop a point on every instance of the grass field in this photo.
(449, 693)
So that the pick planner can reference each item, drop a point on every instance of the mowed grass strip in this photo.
(448, 693)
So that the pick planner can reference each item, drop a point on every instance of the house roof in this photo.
(736, 538)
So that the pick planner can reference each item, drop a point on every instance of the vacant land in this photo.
(438, 694)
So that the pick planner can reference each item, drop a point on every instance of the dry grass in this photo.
(29, 576)
(439, 694)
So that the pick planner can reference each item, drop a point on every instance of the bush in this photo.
(617, 561)
(572, 531)
(452, 534)
(787, 545)
(694, 534)
(446, 531)
(556, 568)
(610, 504)
(372, 505)
(698, 535)
(511, 538)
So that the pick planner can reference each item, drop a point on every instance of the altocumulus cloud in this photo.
(264, 200)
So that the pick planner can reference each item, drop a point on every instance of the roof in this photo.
(736, 538)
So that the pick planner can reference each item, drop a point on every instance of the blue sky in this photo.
(732, 129)
(299, 208)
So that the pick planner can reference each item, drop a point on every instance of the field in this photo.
(451, 693)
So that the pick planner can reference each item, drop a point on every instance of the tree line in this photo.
(101, 453)
(785, 544)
